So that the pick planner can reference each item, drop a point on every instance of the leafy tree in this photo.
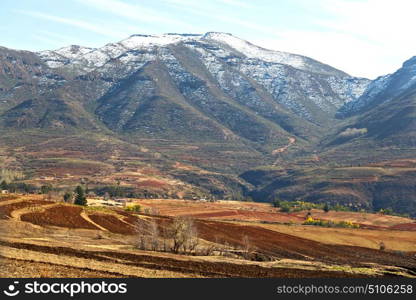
(386, 211)
(44, 189)
(285, 207)
(326, 207)
(80, 198)
(276, 203)
(21, 187)
(3, 185)
(67, 197)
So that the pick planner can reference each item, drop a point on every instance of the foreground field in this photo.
(47, 239)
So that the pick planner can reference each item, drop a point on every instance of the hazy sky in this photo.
(362, 37)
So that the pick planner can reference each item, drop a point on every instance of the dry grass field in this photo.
(46, 239)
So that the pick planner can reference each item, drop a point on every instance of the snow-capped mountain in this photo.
(308, 88)
(79, 54)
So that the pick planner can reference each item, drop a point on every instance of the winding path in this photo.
(278, 151)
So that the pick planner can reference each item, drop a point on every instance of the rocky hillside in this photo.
(383, 89)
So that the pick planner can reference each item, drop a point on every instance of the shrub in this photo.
(44, 189)
(323, 223)
(134, 208)
(276, 203)
(285, 207)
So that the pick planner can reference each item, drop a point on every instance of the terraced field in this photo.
(40, 237)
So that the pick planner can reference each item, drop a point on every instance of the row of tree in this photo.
(77, 196)
(181, 236)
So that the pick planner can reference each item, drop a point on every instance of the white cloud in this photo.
(134, 11)
(342, 51)
(366, 38)
(55, 40)
(387, 27)
(96, 28)
(237, 3)
(210, 11)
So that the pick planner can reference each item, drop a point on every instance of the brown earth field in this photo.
(264, 212)
(44, 239)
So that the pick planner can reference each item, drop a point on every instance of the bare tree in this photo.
(208, 250)
(141, 235)
(247, 247)
(191, 237)
(154, 235)
(183, 234)
(52, 196)
(165, 238)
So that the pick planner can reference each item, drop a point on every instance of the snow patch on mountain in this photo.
(139, 41)
(253, 51)
(383, 89)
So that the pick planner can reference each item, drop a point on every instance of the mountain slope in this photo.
(384, 116)
(367, 161)
(212, 88)
(383, 89)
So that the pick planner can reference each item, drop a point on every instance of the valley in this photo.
(203, 155)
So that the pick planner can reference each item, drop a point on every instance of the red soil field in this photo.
(265, 242)
(5, 210)
(128, 217)
(152, 184)
(249, 215)
(112, 224)
(275, 244)
(406, 226)
(208, 269)
(61, 216)
(7, 197)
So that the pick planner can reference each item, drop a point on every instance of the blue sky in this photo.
(362, 37)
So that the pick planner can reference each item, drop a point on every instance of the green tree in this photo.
(326, 207)
(80, 198)
(67, 197)
(285, 207)
(44, 189)
(276, 203)
(3, 185)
